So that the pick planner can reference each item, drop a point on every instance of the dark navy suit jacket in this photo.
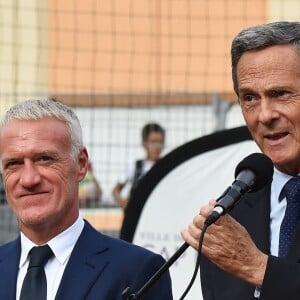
(282, 277)
(99, 268)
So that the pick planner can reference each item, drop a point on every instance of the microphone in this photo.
(251, 174)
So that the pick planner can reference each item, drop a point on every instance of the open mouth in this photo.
(276, 136)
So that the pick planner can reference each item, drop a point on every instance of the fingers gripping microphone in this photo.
(251, 174)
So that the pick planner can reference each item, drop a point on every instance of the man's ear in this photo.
(83, 161)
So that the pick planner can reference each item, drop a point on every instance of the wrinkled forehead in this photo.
(32, 125)
(34, 132)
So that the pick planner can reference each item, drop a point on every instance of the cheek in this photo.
(65, 185)
(63, 174)
(10, 183)
(69, 183)
(296, 125)
(251, 121)
(155, 152)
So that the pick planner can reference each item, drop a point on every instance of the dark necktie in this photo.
(35, 284)
(291, 191)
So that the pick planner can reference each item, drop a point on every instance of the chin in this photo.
(287, 166)
(33, 218)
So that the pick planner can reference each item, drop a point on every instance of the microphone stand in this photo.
(128, 295)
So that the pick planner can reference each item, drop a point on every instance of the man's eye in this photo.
(11, 164)
(45, 158)
(248, 98)
(280, 93)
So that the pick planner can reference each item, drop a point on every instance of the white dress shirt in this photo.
(277, 209)
(61, 246)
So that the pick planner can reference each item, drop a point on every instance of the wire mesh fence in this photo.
(121, 64)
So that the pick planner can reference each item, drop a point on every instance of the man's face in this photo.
(154, 145)
(269, 94)
(39, 174)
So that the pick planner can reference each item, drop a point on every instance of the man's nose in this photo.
(30, 175)
(268, 112)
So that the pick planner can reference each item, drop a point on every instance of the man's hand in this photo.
(228, 245)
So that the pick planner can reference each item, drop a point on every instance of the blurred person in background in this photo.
(153, 139)
(90, 191)
(43, 159)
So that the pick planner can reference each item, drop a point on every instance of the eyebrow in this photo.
(33, 156)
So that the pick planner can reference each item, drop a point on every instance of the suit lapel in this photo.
(9, 261)
(85, 265)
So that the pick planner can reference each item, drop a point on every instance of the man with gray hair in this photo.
(58, 255)
(255, 251)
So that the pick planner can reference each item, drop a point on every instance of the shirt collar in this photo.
(26, 246)
(279, 180)
(61, 245)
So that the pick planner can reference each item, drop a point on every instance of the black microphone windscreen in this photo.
(261, 165)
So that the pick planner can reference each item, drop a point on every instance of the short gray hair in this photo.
(40, 109)
(262, 36)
